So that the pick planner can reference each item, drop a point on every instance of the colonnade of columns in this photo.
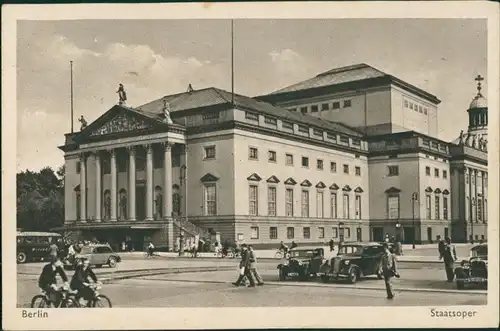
(167, 183)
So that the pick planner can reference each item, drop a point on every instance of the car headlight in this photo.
(346, 262)
(299, 263)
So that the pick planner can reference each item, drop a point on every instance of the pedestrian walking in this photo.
(331, 244)
(449, 257)
(245, 268)
(441, 246)
(389, 269)
(253, 266)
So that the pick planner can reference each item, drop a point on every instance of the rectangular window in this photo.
(319, 164)
(445, 208)
(314, 109)
(335, 232)
(428, 206)
(425, 111)
(406, 103)
(411, 105)
(420, 110)
(254, 232)
(317, 133)
(303, 129)
(345, 206)
(428, 171)
(331, 136)
(251, 116)
(321, 232)
(347, 232)
(333, 166)
(356, 142)
(336, 105)
(305, 162)
(393, 207)
(209, 153)
(287, 125)
(305, 204)
(292, 109)
(271, 121)
(273, 232)
(479, 210)
(347, 103)
(78, 167)
(210, 118)
(271, 156)
(210, 199)
(436, 172)
(290, 233)
(253, 153)
(289, 202)
(333, 205)
(344, 140)
(358, 207)
(307, 232)
(253, 200)
(434, 145)
(437, 212)
(393, 170)
(357, 171)
(346, 169)
(303, 110)
(426, 142)
(271, 201)
(445, 174)
(319, 204)
(289, 159)
(325, 106)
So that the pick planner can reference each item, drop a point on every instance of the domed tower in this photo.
(478, 113)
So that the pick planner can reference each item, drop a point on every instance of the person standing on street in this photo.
(331, 244)
(449, 256)
(245, 267)
(389, 270)
(253, 269)
(441, 246)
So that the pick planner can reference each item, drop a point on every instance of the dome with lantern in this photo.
(478, 102)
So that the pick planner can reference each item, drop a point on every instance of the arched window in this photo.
(107, 205)
(158, 202)
(123, 204)
(176, 200)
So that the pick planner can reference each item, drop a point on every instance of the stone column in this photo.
(149, 183)
(113, 186)
(167, 183)
(98, 192)
(83, 189)
(131, 183)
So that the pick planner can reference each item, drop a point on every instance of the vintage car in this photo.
(302, 262)
(353, 261)
(98, 256)
(475, 270)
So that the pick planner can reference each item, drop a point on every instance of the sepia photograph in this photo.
(230, 162)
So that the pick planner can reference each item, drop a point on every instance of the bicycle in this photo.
(98, 300)
(67, 299)
(280, 254)
(148, 255)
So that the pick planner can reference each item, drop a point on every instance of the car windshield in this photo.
(350, 250)
(302, 253)
(480, 251)
(86, 250)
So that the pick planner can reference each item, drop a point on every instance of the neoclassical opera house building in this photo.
(350, 154)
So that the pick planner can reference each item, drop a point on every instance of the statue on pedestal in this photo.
(122, 95)
(467, 139)
(84, 123)
(480, 143)
(461, 138)
(166, 112)
(474, 141)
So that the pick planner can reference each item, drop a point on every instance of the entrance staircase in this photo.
(189, 228)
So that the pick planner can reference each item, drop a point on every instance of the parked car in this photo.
(474, 270)
(354, 261)
(98, 256)
(302, 262)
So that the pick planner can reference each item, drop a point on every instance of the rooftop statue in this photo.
(461, 138)
(467, 139)
(84, 123)
(122, 95)
(166, 112)
(474, 140)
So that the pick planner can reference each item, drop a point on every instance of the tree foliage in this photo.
(40, 199)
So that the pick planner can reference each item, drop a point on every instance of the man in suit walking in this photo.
(449, 256)
(389, 270)
(245, 267)
(253, 268)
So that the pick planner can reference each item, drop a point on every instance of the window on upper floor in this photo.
(346, 169)
(333, 166)
(336, 105)
(289, 159)
(251, 116)
(356, 142)
(393, 170)
(253, 200)
(271, 156)
(344, 139)
(303, 110)
(271, 121)
(319, 164)
(347, 103)
(445, 174)
(287, 125)
(325, 106)
(305, 162)
(303, 129)
(436, 172)
(393, 206)
(253, 153)
(209, 152)
(314, 108)
(210, 199)
(78, 167)
(428, 171)
(273, 232)
(357, 171)
(425, 111)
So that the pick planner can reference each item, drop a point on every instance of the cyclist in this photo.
(283, 248)
(151, 249)
(80, 281)
(48, 282)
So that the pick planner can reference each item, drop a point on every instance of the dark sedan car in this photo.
(353, 261)
(475, 270)
(303, 263)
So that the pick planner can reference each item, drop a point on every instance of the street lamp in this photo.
(472, 204)
(414, 198)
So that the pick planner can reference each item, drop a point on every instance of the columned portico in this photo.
(97, 186)
(131, 183)
(83, 189)
(167, 184)
(149, 182)
(113, 185)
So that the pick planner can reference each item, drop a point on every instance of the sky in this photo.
(153, 58)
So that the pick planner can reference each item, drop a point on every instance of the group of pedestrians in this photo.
(248, 267)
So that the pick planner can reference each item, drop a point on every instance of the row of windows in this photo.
(436, 172)
(481, 209)
(415, 106)
(306, 232)
(393, 207)
(435, 145)
(473, 180)
(323, 106)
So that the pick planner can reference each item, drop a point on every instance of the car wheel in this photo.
(353, 276)
(112, 262)
(324, 278)
(21, 257)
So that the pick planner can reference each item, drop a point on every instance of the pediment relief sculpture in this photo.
(121, 123)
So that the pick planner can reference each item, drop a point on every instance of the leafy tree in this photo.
(40, 199)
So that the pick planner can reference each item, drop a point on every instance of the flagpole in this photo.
(71, 83)
(232, 62)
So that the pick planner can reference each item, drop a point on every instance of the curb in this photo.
(333, 285)
(108, 277)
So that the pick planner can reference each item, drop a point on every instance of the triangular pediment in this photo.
(290, 181)
(428, 189)
(254, 177)
(273, 179)
(320, 185)
(358, 190)
(392, 190)
(209, 178)
(334, 187)
(446, 192)
(306, 183)
(437, 191)
(347, 188)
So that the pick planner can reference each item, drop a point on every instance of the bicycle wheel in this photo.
(40, 301)
(70, 302)
(102, 301)
(278, 255)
